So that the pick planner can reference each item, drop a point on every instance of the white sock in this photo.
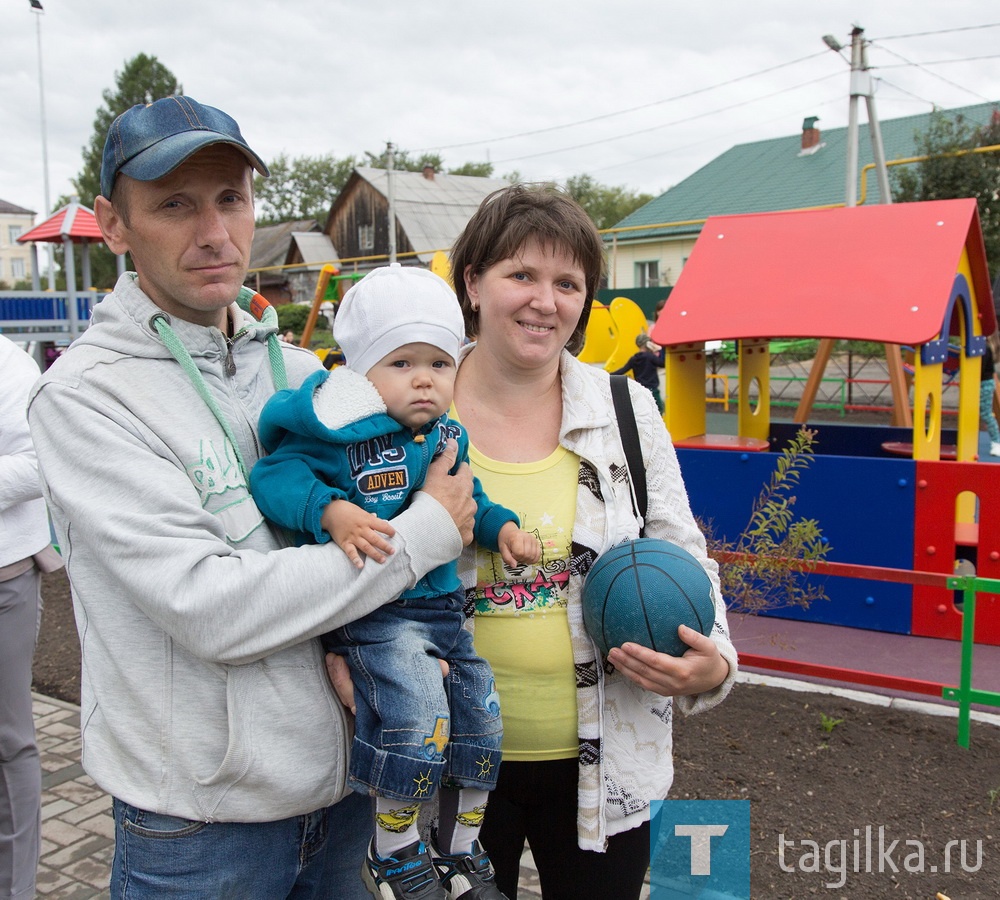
(460, 818)
(395, 825)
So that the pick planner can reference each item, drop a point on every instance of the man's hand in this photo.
(357, 531)
(453, 492)
(340, 677)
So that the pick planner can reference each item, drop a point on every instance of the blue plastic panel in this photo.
(864, 507)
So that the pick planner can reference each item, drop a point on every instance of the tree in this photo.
(607, 206)
(950, 173)
(292, 317)
(480, 169)
(401, 160)
(303, 187)
(142, 80)
(765, 567)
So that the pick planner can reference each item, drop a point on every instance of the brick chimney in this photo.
(810, 133)
(429, 173)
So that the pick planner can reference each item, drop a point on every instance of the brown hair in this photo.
(120, 201)
(511, 217)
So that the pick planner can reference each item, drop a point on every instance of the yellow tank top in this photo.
(520, 615)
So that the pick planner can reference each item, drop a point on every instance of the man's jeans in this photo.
(414, 731)
(312, 857)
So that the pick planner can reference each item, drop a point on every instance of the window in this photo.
(366, 237)
(14, 232)
(647, 274)
(17, 269)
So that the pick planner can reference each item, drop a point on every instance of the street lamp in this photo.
(832, 43)
(36, 7)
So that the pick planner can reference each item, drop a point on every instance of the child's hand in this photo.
(356, 531)
(517, 546)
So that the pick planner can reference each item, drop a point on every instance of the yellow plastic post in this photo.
(754, 367)
(969, 369)
(325, 274)
(926, 409)
(684, 368)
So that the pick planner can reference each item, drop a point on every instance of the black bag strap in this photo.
(630, 443)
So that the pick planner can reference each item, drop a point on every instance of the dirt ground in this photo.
(898, 771)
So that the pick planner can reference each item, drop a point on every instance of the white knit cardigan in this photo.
(626, 749)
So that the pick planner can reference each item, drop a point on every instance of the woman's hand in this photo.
(700, 669)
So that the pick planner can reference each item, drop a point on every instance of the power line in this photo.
(894, 37)
(623, 112)
(708, 140)
(902, 90)
(935, 62)
(935, 75)
(683, 121)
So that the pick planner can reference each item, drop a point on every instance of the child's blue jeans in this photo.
(415, 730)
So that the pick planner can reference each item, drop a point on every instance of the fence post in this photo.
(964, 695)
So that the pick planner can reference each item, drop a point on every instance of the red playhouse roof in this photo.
(877, 273)
(73, 221)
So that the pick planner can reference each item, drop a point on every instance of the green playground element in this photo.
(964, 695)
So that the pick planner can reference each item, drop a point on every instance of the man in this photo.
(206, 712)
(24, 554)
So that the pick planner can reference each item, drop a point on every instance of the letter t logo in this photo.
(701, 844)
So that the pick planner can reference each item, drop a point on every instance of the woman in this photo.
(586, 746)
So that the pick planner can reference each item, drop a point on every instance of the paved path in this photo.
(77, 829)
(78, 832)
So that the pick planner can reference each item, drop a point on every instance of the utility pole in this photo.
(36, 7)
(390, 192)
(862, 86)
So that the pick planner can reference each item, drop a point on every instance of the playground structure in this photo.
(329, 276)
(57, 317)
(341, 282)
(912, 274)
(884, 496)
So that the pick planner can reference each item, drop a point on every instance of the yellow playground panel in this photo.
(611, 333)
(441, 267)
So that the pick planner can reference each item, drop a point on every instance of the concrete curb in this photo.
(920, 706)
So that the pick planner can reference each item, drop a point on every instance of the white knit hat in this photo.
(396, 305)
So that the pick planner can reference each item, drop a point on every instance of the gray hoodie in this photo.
(204, 693)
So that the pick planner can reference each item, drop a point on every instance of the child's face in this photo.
(416, 381)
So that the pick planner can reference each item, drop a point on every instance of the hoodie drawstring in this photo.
(179, 352)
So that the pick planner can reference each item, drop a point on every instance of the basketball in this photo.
(641, 591)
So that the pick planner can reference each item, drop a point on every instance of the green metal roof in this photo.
(775, 175)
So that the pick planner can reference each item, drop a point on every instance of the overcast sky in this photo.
(639, 93)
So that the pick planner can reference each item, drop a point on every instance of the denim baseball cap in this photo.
(150, 140)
